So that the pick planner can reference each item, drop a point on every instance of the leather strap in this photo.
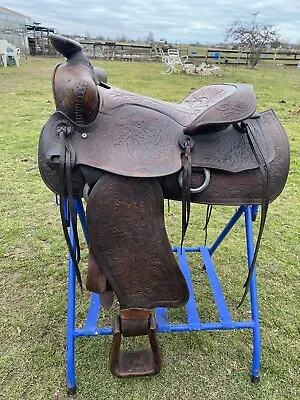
(186, 185)
(263, 166)
(207, 219)
(67, 156)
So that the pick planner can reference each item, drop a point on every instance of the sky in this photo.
(185, 21)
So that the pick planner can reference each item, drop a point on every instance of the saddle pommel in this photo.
(75, 93)
(75, 83)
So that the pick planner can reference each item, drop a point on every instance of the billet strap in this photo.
(263, 166)
(67, 157)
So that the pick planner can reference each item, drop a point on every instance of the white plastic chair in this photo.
(9, 51)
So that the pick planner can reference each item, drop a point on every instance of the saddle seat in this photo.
(215, 106)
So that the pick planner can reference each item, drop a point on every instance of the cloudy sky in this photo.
(185, 21)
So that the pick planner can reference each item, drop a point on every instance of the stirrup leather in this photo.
(125, 364)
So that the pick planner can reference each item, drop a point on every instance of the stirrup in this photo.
(126, 364)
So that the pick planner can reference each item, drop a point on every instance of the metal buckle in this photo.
(126, 364)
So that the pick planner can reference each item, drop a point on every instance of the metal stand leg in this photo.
(250, 213)
(81, 214)
(70, 351)
(253, 298)
(71, 336)
(194, 322)
(236, 216)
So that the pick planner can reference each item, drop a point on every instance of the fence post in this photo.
(274, 58)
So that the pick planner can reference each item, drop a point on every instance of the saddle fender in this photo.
(131, 247)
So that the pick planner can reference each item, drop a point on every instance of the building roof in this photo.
(12, 12)
(38, 28)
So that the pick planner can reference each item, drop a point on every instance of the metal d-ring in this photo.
(200, 188)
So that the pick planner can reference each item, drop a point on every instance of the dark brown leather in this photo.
(97, 282)
(129, 364)
(128, 240)
(136, 136)
(128, 149)
(129, 134)
(133, 135)
(244, 186)
(75, 92)
(223, 152)
(120, 148)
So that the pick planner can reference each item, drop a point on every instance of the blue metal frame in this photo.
(193, 320)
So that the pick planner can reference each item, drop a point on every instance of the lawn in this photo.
(34, 275)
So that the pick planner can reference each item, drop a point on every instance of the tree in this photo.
(121, 38)
(253, 35)
(150, 37)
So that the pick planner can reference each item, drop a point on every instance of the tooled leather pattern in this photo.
(131, 246)
(212, 104)
(184, 113)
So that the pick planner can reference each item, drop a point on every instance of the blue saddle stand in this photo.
(193, 321)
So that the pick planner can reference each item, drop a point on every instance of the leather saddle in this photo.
(127, 153)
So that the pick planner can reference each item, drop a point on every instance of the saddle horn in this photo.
(75, 82)
(68, 48)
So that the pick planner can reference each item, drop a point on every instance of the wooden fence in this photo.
(119, 51)
(149, 52)
(241, 57)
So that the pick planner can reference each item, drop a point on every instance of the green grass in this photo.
(34, 276)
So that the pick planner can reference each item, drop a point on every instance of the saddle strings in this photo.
(207, 219)
(263, 166)
(65, 160)
(186, 193)
(186, 185)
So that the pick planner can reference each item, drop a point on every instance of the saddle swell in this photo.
(130, 150)
(75, 92)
